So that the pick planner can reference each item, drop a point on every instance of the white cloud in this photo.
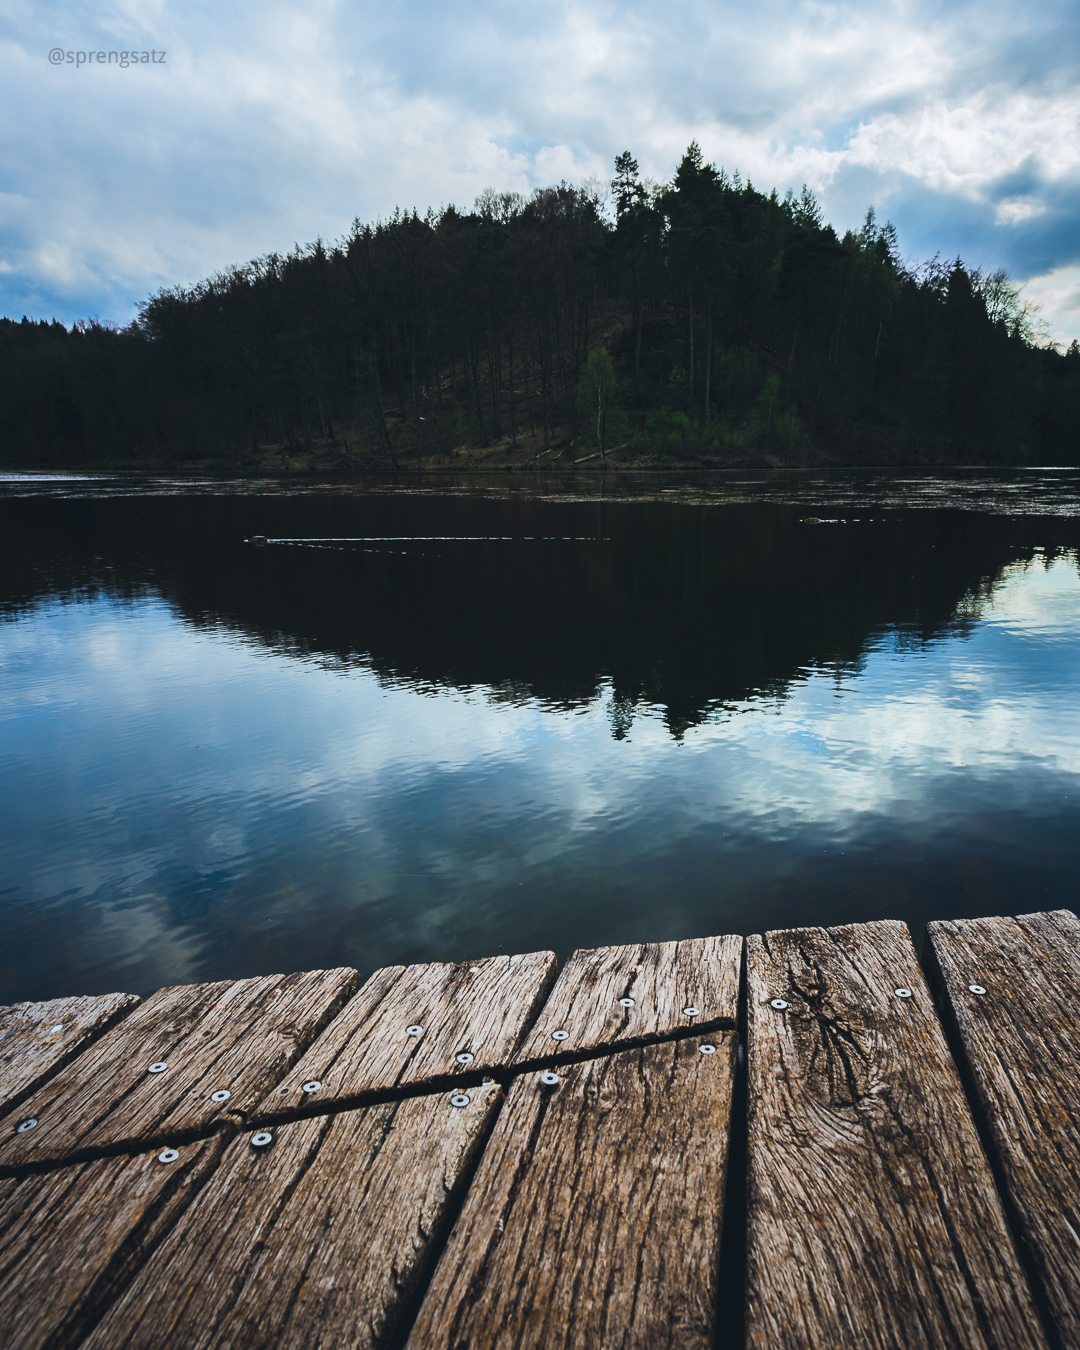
(269, 125)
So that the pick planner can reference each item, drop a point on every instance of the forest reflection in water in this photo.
(580, 720)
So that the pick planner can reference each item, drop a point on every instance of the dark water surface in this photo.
(508, 714)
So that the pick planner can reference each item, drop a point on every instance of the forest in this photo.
(696, 323)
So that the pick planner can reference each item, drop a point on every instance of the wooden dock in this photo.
(800, 1140)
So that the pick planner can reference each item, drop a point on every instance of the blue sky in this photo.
(268, 125)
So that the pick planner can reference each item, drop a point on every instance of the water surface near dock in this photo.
(518, 714)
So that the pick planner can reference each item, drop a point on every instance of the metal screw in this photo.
(560, 1035)
(159, 1067)
(58, 1027)
(414, 1031)
(464, 1057)
(261, 1139)
(627, 1003)
(27, 1125)
(976, 989)
(222, 1095)
(168, 1155)
(313, 1086)
(691, 1012)
(902, 993)
(459, 1099)
(707, 1049)
(778, 1004)
(549, 1079)
(488, 1081)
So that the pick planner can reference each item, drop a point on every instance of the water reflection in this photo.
(220, 760)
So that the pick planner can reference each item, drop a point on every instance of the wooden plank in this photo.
(317, 1240)
(873, 1220)
(36, 1039)
(1021, 1043)
(236, 1036)
(594, 1218)
(71, 1239)
(475, 1008)
(662, 979)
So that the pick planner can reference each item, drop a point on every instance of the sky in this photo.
(251, 128)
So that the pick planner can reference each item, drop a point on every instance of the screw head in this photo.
(549, 1079)
(464, 1057)
(778, 1004)
(976, 989)
(168, 1155)
(261, 1139)
(414, 1030)
(459, 1099)
(159, 1067)
(221, 1095)
(627, 1003)
(313, 1085)
(691, 1012)
(902, 993)
(27, 1125)
(707, 1049)
(560, 1035)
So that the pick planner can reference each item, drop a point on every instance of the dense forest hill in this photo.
(701, 322)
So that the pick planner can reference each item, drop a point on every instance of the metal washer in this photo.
(158, 1067)
(459, 1099)
(560, 1035)
(549, 1079)
(261, 1139)
(168, 1155)
(777, 1003)
(464, 1057)
(707, 1049)
(415, 1030)
(221, 1095)
(313, 1085)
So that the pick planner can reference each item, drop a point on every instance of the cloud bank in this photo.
(273, 124)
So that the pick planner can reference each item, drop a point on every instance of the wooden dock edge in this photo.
(600, 1051)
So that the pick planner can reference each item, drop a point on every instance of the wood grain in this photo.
(71, 1239)
(36, 1039)
(236, 1035)
(663, 978)
(873, 1220)
(479, 1008)
(1021, 1043)
(318, 1240)
(594, 1218)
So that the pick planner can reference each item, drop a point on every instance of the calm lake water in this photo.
(431, 721)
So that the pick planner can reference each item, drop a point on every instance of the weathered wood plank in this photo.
(594, 1218)
(591, 1001)
(71, 1239)
(873, 1220)
(36, 1039)
(317, 1240)
(478, 1009)
(1021, 1042)
(235, 1036)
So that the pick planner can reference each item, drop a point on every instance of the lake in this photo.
(434, 719)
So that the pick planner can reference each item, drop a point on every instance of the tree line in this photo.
(692, 322)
